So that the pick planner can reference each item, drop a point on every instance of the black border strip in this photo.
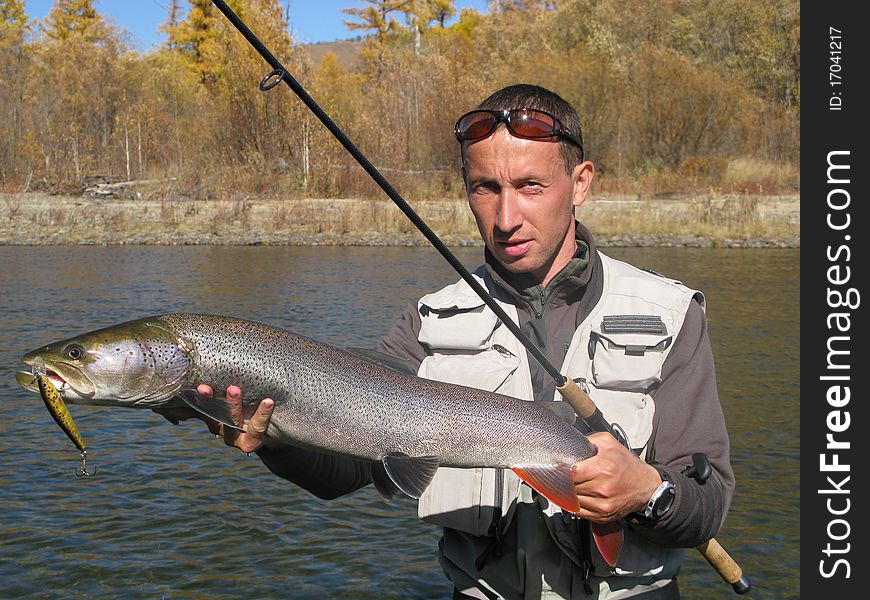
(834, 173)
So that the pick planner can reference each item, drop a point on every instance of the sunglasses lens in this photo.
(533, 124)
(475, 125)
(527, 123)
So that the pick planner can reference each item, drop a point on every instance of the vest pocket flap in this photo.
(649, 324)
(629, 360)
(455, 318)
(491, 368)
(458, 296)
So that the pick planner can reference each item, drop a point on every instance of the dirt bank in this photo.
(38, 219)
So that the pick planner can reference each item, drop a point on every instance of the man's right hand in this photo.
(255, 430)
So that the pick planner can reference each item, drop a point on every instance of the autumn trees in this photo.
(680, 89)
(14, 28)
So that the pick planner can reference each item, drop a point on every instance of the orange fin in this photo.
(554, 482)
(608, 537)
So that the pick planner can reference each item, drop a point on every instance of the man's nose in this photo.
(509, 217)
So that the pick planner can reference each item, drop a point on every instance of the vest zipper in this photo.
(584, 532)
(495, 525)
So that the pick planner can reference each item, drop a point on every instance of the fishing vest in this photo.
(616, 354)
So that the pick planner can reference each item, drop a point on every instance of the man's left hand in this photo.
(613, 483)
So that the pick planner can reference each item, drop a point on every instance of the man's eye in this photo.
(485, 188)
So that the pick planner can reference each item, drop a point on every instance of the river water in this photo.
(173, 513)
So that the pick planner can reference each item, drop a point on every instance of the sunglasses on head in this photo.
(521, 122)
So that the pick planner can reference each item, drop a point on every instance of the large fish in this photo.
(326, 399)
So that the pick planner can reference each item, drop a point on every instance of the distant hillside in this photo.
(345, 50)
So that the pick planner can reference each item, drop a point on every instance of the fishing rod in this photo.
(579, 400)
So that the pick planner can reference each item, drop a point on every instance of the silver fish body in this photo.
(326, 398)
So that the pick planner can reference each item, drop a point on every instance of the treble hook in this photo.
(82, 471)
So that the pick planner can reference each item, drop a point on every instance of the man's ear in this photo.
(582, 177)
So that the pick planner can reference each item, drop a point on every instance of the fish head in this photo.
(139, 363)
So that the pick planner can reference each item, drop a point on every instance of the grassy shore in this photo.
(715, 220)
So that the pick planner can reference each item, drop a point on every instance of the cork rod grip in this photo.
(728, 570)
(577, 398)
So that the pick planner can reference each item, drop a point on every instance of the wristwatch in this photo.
(660, 501)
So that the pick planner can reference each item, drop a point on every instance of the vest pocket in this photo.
(470, 500)
(627, 361)
(632, 412)
(455, 318)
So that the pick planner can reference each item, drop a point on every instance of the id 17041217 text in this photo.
(835, 68)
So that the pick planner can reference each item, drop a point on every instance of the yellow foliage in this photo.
(668, 94)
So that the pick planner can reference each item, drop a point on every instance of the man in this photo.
(637, 340)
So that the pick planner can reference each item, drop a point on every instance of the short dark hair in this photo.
(524, 95)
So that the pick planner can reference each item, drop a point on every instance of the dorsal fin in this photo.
(384, 359)
(561, 409)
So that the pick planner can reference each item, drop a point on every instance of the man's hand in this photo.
(255, 430)
(614, 482)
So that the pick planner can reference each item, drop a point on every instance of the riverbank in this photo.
(697, 221)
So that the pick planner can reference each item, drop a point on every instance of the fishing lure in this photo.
(58, 410)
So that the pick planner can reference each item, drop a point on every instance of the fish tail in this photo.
(556, 484)
(608, 538)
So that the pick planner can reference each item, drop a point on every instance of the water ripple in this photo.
(173, 513)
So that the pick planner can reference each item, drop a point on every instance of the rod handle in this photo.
(577, 398)
(721, 561)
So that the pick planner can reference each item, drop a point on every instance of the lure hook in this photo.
(82, 471)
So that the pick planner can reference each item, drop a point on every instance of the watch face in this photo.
(663, 503)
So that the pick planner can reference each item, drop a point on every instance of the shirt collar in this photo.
(573, 276)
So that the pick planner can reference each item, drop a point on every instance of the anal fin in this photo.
(382, 482)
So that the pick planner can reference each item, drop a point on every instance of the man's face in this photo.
(523, 201)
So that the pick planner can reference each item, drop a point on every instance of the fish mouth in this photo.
(27, 379)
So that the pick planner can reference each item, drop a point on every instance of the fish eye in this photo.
(74, 351)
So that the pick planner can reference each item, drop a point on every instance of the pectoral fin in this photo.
(218, 409)
(608, 537)
(410, 474)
